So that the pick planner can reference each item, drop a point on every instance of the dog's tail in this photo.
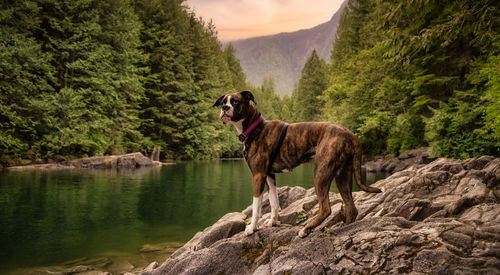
(358, 154)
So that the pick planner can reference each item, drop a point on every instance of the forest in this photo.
(97, 77)
(88, 78)
(407, 74)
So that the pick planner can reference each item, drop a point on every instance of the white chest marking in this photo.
(238, 125)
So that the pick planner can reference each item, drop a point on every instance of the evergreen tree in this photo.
(237, 75)
(409, 74)
(78, 83)
(312, 83)
(92, 77)
(188, 70)
(268, 101)
(25, 81)
(88, 77)
(93, 44)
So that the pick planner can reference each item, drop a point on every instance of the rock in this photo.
(73, 270)
(111, 262)
(286, 195)
(161, 248)
(95, 262)
(127, 161)
(151, 266)
(403, 161)
(59, 158)
(479, 163)
(120, 266)
(225, 227)
(439, 218)
(373, 166)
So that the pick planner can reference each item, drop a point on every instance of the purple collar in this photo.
(252, 126)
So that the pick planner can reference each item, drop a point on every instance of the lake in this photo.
(49, 217)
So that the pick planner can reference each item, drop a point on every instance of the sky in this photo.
(240, 19)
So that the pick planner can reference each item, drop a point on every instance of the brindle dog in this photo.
(335, 150)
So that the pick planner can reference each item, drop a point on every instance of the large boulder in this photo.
(129, 161)
(225, 227)
(415, 157)
(441, 218)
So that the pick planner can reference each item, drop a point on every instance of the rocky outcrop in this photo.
(441, 218)
(416, 157)
(128, 161)
(132, 160)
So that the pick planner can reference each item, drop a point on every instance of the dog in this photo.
(273, 146)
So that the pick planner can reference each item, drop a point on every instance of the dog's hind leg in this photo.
(323, 175)
(259, 181)
(344, 184)
(273, 200)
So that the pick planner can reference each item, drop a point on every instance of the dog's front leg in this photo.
(259, 181)
(274, 201)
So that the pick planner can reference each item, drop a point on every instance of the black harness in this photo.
(276, 148)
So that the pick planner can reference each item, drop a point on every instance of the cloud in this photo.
(238, 19)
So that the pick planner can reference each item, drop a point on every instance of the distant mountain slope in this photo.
(283, 55)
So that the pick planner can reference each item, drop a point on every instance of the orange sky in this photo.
(239, 19)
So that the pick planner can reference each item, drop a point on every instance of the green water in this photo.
(48, 217)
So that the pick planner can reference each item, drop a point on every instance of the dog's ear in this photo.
(219, 101)
(248, 96)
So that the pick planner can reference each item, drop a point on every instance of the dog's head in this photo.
(236, 106)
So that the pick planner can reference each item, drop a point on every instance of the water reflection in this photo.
(48, 217)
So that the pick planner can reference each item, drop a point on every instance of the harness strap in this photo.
(276, 149)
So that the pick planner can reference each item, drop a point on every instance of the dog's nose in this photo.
(225, 107)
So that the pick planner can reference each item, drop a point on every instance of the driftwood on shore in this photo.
(127, 161)
(155, 155)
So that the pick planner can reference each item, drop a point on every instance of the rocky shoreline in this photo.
(127, 161)
(389, 164)
(441, 217)
(438, 218)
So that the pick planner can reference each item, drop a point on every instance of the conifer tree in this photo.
(237, 75)
(94, 48)
(312, 83)
(87, 77)
(413, 73)
(187, 72)
(25, 81)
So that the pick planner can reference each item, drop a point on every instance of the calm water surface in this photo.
(48, 217)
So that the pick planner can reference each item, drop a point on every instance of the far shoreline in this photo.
(382, 163)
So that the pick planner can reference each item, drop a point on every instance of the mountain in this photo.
(283, 55)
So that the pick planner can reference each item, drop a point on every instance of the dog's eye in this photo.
(234, 101)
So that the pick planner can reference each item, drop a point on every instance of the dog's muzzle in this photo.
(225, 116)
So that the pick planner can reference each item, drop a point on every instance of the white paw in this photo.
(249, 230)
(303, 233)
(270, 222)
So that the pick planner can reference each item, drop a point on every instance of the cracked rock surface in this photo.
(441, 218)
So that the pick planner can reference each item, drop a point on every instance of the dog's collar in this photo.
(250, 128)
